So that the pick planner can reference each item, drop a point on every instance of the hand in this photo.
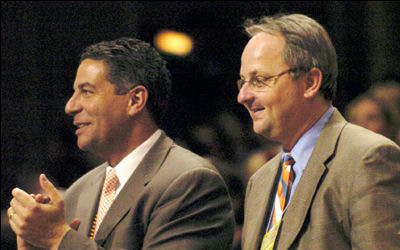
(40, 224)
(24, 245)
(41, 198)
(46, 199)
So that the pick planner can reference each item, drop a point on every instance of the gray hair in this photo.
(307, 46)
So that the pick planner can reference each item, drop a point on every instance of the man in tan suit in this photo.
(162, 196)
(340, 185)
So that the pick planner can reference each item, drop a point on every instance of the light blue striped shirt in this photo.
(301, 152)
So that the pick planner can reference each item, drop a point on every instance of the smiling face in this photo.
(99, 114)
(273, 109)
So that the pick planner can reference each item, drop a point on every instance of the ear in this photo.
(313, 82)
(137, 100)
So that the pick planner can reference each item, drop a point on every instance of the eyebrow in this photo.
(256, 74)
(86, 84)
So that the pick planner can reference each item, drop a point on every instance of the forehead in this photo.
(263, 52)
(91, 72)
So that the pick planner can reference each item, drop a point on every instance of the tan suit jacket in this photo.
(174, 200)
(348, 196)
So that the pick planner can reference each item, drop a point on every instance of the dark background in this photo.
(41, 43)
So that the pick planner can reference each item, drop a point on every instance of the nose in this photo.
(73, 105)
(245, 95)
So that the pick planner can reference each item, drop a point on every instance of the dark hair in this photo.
(133, 62)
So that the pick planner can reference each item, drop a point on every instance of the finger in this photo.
(40, 198)
(13, 219)
(44, 199)
(13, 226)
(17, 207)
(22, 197)
(75, 224)
(10, 213)
(49, 188)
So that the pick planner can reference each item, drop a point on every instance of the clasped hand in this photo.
(37, 220)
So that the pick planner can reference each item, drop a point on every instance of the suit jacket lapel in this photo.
(297, 209)
(129, 195)
(262, 202)
(88, 201)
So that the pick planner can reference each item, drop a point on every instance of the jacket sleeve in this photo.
(375, 200)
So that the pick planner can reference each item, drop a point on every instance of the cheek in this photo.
(91, 107)
(105, 108)
(293, 96)
(287, 104)
(292, 92)
(267, 98)
(114, 114)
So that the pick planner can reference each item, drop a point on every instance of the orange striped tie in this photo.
(107, 197)
(284, 186)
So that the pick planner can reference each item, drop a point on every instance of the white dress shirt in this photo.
(127, 166)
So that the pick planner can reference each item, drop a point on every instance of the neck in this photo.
(136, 133)
(135, 140)
(310, 116)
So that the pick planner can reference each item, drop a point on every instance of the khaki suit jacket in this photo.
(174, 200)
(348, 196)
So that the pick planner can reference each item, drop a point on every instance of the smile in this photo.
(80, 127)
(255, 110)
(256, 113)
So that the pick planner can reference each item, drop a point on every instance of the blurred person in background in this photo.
(256, 158)
(211, 141)
(368, 112)
(388, 94)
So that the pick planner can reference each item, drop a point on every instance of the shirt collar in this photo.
(305, 145)
(128, 165)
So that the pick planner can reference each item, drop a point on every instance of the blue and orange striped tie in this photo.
(284, 186)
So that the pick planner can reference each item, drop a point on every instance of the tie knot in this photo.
(111, 182)
(288, 159)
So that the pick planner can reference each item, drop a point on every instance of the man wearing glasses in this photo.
(334, 185)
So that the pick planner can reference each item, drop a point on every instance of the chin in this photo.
(263, 131)
(83, 148)
(84, 145)
(259, 128)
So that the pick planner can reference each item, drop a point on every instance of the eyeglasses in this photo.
(260, 82)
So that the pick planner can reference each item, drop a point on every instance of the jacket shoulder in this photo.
(84, 179)
(356, 138)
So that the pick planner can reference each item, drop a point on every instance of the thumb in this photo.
(75, 224)
(49, 188)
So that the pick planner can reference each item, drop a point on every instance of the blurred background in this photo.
(40, 47)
